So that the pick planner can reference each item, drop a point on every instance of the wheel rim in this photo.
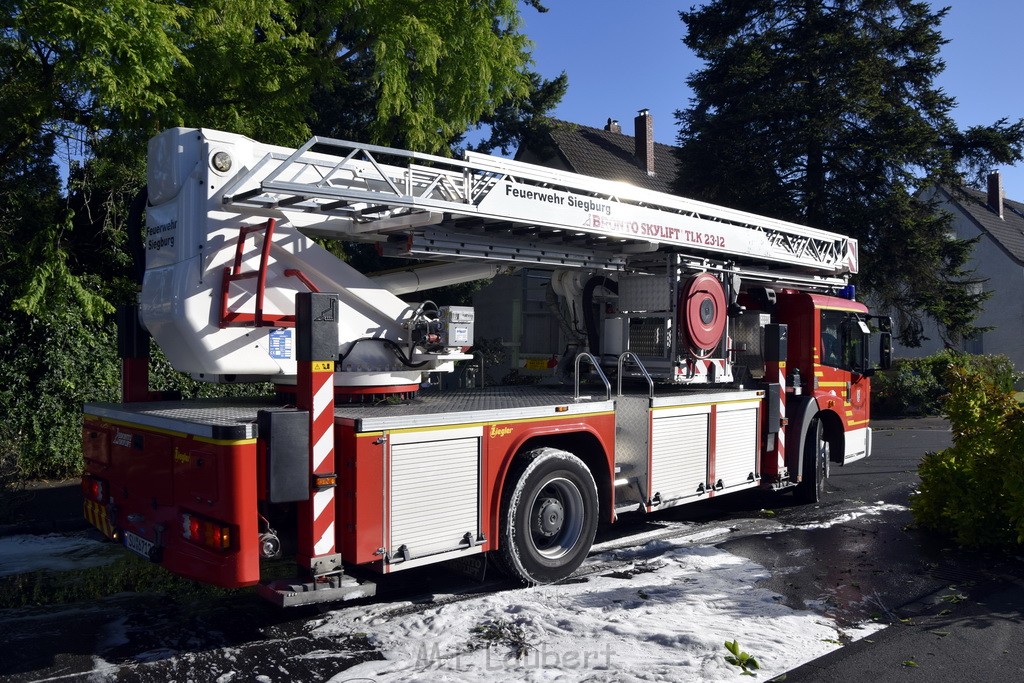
(556, 518)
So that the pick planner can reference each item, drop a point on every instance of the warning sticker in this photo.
(281, 344)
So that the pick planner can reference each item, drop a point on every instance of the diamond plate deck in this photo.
(490, 404)
(222, 419)
(232, 420)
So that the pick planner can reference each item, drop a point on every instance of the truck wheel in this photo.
(817, 452)
(548, 516)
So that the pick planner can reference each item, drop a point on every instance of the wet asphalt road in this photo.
(880, 568)
(954, 615)
(859, 569)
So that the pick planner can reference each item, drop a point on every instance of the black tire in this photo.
(549, 512)
(817, 459)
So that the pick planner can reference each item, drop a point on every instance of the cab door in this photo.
(845, 384)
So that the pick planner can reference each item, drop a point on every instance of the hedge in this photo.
(917, 386)
(974, 490)
(54, 365)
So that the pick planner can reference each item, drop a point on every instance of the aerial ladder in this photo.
(254, 209)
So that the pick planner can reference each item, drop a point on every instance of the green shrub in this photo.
(53, 365)
(12, 487)
(163, 377)
(916, 386)
(997, 369)
(910, 388)
(974, 490)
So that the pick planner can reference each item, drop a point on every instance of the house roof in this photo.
(1008, 231)
(609, 155)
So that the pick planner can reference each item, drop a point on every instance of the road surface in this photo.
(832, 557)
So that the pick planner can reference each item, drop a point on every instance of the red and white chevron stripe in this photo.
(316, 394)
(322, 439)
(701, 369)
(781, 437)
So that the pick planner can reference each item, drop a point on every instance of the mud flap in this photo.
(802, 410)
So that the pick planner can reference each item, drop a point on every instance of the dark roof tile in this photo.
(1008, 231)
(604, 154)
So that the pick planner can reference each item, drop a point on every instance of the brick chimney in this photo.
(995, 192)
(644, 138)
(613, 126)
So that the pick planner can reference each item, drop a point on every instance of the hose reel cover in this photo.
(701, 313)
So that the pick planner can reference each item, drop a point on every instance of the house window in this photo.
(974, 344)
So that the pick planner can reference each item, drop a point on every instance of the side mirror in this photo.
(885, 350)
(884, 325)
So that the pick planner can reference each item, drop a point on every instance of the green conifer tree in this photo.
(826, 112)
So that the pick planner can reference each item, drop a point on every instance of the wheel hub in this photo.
(550, 517)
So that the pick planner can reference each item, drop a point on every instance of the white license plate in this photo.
(137, 544)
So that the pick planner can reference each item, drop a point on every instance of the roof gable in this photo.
(610, 156)
(1008, 231)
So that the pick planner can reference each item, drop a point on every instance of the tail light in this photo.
(206, 532)
(94, 489)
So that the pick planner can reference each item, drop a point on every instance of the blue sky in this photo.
(625, 56)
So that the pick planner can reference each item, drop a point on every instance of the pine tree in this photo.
(826, 112)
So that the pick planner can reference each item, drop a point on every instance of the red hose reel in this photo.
(701, 314)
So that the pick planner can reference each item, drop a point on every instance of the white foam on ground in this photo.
(869, 511)
(54, 552)
(670, 624)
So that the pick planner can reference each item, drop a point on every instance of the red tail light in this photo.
(94, 489)
(206, 532)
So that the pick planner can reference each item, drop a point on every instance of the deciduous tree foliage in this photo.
(435, 67)
(84, 84)
(63, 65)
(826, 112)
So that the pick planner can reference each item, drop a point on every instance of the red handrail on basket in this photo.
(234, 273)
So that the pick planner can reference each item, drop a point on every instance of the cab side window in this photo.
(831, 347)
(843, 341)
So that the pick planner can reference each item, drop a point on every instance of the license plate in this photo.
(137, 544)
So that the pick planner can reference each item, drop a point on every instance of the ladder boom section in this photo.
(383, 194)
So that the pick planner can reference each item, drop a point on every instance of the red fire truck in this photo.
(722, 351)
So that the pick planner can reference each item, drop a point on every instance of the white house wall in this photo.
(1003, 311)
